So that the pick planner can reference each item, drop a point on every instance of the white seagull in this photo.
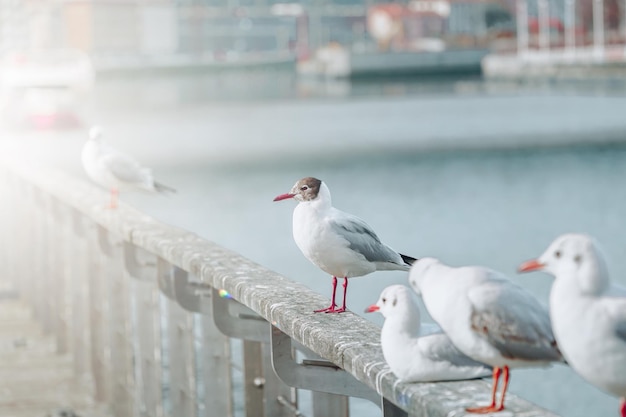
(339, 243)
(488, 318)
(588, 313)
(115, 170)
(412, 355)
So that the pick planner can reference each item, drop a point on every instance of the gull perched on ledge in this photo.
(339, 243)
(413, 354)
(489, 318)
(587, 311)
(115, 170)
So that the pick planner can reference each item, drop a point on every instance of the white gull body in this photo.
(414, 355)
(115, 170)
(487, 317)
(339, 243)
(588, 312)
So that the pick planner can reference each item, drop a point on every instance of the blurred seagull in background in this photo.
(488, 318)
(115, 170)
(587, 311)
(414, 355)
(339, 243)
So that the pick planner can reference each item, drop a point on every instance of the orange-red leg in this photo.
(114, 194)
(333, 306)
(345, 291)
(505, 386)
(622, 407)
(491, 407)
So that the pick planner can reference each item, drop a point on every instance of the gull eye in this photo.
(384, 300)
(304, 188)
(557, 254)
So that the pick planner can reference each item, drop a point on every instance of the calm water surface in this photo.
(503, 186)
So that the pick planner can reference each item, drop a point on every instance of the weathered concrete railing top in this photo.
(347, 340)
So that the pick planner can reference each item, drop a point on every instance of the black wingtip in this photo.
(408, 260)
(162, 188)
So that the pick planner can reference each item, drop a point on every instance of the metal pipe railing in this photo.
(137, 305)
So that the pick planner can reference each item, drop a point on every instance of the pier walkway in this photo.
(36, 380)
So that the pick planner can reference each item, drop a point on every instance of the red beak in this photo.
(372, 308)
(532, 265)
(284, 196)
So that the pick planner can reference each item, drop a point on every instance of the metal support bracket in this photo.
(105, 241)
(391, 410)
(57, 210)
(236, 320)
(315, 375)
(174, 284)
(78, 223)
(139, 263)
(165, 278)
(192, 297)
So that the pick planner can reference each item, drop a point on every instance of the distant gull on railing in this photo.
(488, 318)
(588, 312)
(116, 170)
(413, 353)
(337, 242)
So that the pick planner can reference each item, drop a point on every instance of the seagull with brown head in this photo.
(339, 243)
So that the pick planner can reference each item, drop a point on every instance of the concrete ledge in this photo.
(347, 340)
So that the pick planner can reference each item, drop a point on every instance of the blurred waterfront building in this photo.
(164, 31)
(184, 32)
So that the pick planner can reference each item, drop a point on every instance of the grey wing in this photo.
(440, 348)
(125, 168)
(512, 320)
(362, 239)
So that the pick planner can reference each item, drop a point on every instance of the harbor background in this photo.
(232, 103)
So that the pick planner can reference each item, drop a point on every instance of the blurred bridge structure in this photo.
(132, 317)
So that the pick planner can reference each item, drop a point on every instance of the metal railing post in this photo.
(76, 276)
(121, 353)
(148, 339)
(212, 348)
(215, 371)
(60, 255)
(99, 318)
(253, 380)
(181, 361)
(147, 335)
(262, 386)
(37, 269)
(325, 404)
